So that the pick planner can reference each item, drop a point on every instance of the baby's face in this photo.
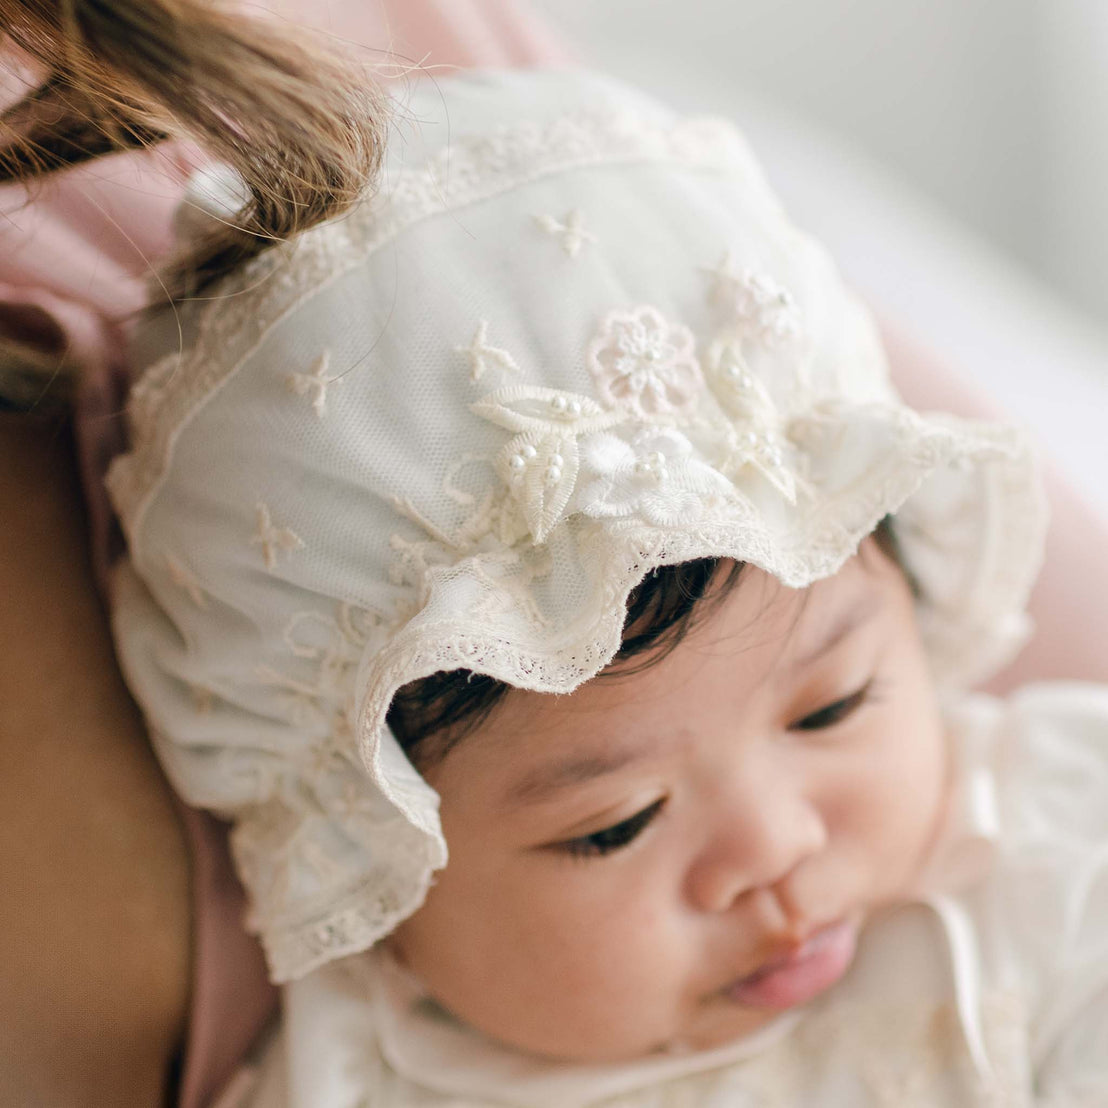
(670, 857)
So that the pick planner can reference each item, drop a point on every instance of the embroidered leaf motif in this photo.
(539, 465)
(540, 469)
(551, 411)
(754, 437)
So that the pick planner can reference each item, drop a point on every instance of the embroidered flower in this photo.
(654, 475)
(645, 364)
(763, 309)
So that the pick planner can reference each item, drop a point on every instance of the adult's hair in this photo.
(300, 123)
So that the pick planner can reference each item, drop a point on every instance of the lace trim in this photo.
(469, 170)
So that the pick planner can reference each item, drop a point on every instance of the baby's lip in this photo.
(784, 949)
(798, 968)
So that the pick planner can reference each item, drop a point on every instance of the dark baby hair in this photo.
(431, 715)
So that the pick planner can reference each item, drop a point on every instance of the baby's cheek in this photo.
(907, 804)
(619, 948)
(614, 972)
(564, 963)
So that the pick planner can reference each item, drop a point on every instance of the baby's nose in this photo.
(756, 843)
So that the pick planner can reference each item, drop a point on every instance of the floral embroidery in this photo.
(570, 229)
(644, 363)
(332, 645)
(753, 437)
(272, 538)
(539, 464)
(185, 579)
(654, 475)
(762, 308)
(314, 382)
(414, 558)
(481, 355)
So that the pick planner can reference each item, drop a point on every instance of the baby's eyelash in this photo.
(834, 713)
(612, 838)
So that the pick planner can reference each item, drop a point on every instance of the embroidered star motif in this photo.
(314, 383)
(272, 538)
(570, 229)
(481, 354)
(185, 579)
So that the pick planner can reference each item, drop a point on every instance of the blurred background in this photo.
(952, 153)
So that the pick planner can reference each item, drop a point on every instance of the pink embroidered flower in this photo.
(643, 363)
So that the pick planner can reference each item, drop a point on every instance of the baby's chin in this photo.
(719, 1024)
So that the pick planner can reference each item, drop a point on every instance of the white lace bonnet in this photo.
(571, 339)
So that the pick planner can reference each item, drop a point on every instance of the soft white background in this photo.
(953, 154)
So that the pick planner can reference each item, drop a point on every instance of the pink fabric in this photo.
(83, 243)
(434, 33)
(231, 999)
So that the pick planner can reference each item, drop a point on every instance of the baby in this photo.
(554, 507)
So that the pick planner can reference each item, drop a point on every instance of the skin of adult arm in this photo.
(95, 915)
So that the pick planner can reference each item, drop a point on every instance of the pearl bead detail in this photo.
(565, 408)
(653, 466)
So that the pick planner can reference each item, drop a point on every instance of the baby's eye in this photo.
(833, 713)
(612, 838)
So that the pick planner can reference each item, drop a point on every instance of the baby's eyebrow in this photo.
(848, 620)
(547, 780)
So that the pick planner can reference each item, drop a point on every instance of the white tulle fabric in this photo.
(571, 339)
